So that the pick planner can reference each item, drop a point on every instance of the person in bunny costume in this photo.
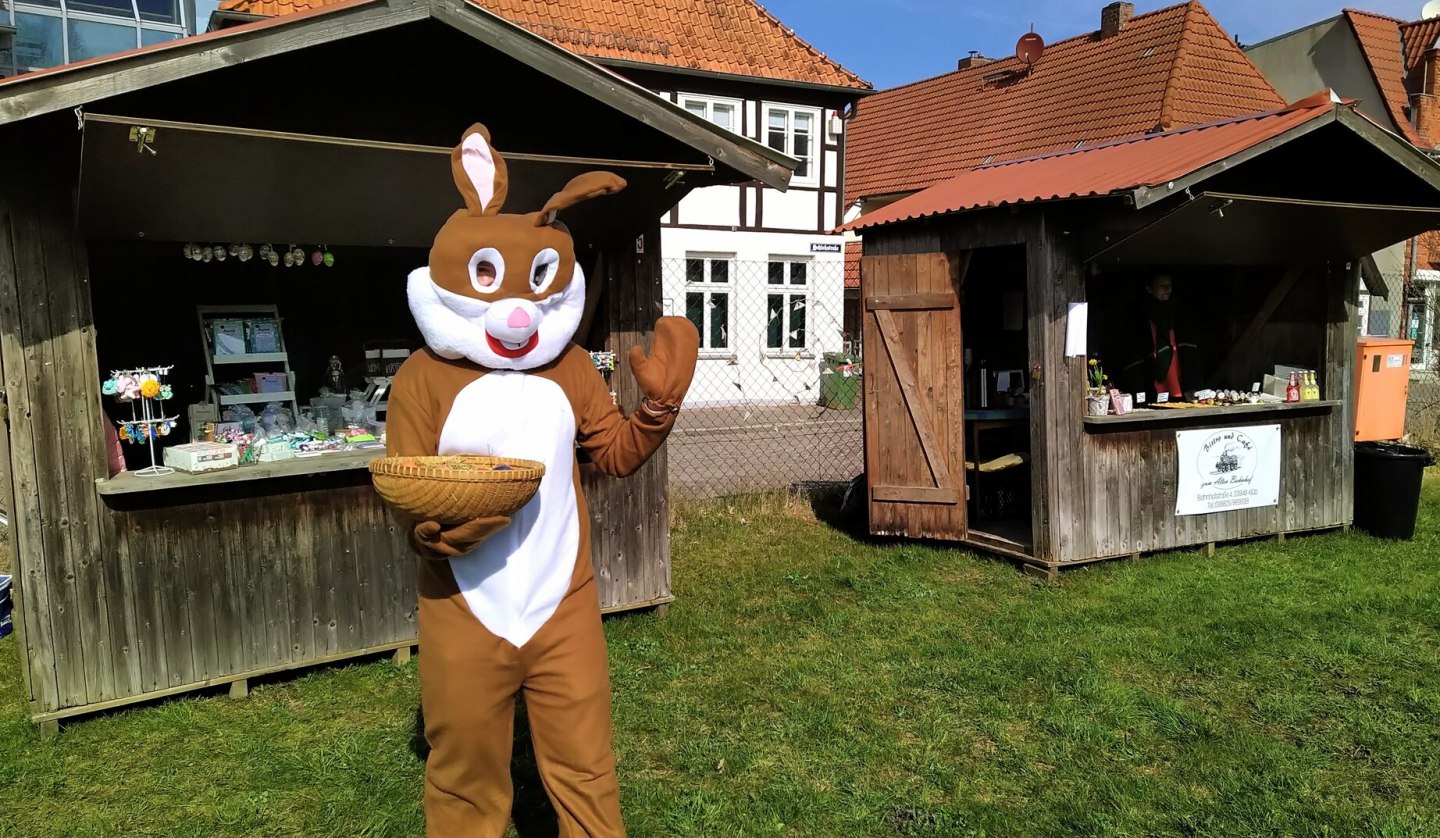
(509, 605)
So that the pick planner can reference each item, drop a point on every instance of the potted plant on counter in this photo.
(1097, 399)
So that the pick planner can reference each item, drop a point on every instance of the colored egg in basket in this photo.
(455, 489)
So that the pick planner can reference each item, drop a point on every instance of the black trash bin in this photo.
(1387, 488)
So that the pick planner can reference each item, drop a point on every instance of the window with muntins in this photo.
(707, 298)
(792, 131)
(787, 304)
(722, 112)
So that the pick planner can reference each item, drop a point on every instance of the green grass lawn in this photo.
(809, 684)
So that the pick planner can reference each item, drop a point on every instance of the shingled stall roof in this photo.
(1147, 169)
(731, 37)
(1385, 52)
(1166, 69)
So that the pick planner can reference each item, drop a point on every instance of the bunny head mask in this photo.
(502, 290)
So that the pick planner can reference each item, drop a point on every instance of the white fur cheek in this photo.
(452, 335)
(561, 317)
(446, 332)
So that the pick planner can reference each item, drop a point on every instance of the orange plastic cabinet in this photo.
(1382, 383)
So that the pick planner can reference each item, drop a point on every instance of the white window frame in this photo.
(790, 290)
(817, 126)
(736, 108)
(707, 287)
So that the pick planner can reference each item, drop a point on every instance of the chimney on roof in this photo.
(1423, 111)
(974, 59)
(1114, 17)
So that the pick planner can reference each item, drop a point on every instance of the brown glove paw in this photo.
(664, 376)
(436, 542)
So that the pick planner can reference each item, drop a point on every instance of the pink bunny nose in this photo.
(518, 319)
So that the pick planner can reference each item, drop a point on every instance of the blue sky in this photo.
(890, 42)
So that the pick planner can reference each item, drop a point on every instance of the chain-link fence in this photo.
(1412, 312)
(776, 398)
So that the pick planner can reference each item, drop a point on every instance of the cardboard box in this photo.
(198, 457)
(393, 358)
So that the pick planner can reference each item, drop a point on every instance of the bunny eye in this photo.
(487, 270)
(542, 272)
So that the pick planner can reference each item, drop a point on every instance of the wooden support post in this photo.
(240, 688)
(49, 730)
(1134, 557)
(402, 655)
(1209, 549)
(662, 610)
(1047, 572)
(1280, 538)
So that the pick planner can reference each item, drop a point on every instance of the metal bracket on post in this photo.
(142, 137)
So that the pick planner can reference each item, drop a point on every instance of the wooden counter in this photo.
(129, 482)
(1157, 416)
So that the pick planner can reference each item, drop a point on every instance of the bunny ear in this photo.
(479, 172)
(580, 188)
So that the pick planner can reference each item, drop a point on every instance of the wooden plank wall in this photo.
(1341, 327)
(1061, 515)
(74, 615)
(1130, 479)
(240, 579)
(631, 515)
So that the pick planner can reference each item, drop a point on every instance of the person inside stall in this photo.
(1159, 361)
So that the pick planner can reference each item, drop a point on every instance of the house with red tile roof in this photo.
(759, 271)
(1392, 68)
(1136, 74)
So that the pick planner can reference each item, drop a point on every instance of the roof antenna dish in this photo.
(1031, 46)
(1432, 9)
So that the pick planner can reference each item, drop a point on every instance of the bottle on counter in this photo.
(1292, 389)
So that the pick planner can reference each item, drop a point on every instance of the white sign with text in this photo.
(1223, 469)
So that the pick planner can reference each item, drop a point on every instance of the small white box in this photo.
(196, 457)
(276, 453)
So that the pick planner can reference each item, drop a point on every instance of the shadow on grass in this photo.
(532, 812)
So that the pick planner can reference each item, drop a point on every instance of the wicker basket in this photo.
(456, 489)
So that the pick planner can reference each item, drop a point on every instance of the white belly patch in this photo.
(516, 578)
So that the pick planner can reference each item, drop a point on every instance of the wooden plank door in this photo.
(914, 388)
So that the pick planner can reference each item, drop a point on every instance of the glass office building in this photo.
(36, 34)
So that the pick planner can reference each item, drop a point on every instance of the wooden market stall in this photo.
(132, 587)
(986, 295)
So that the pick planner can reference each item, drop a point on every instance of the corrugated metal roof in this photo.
(1125, 165)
